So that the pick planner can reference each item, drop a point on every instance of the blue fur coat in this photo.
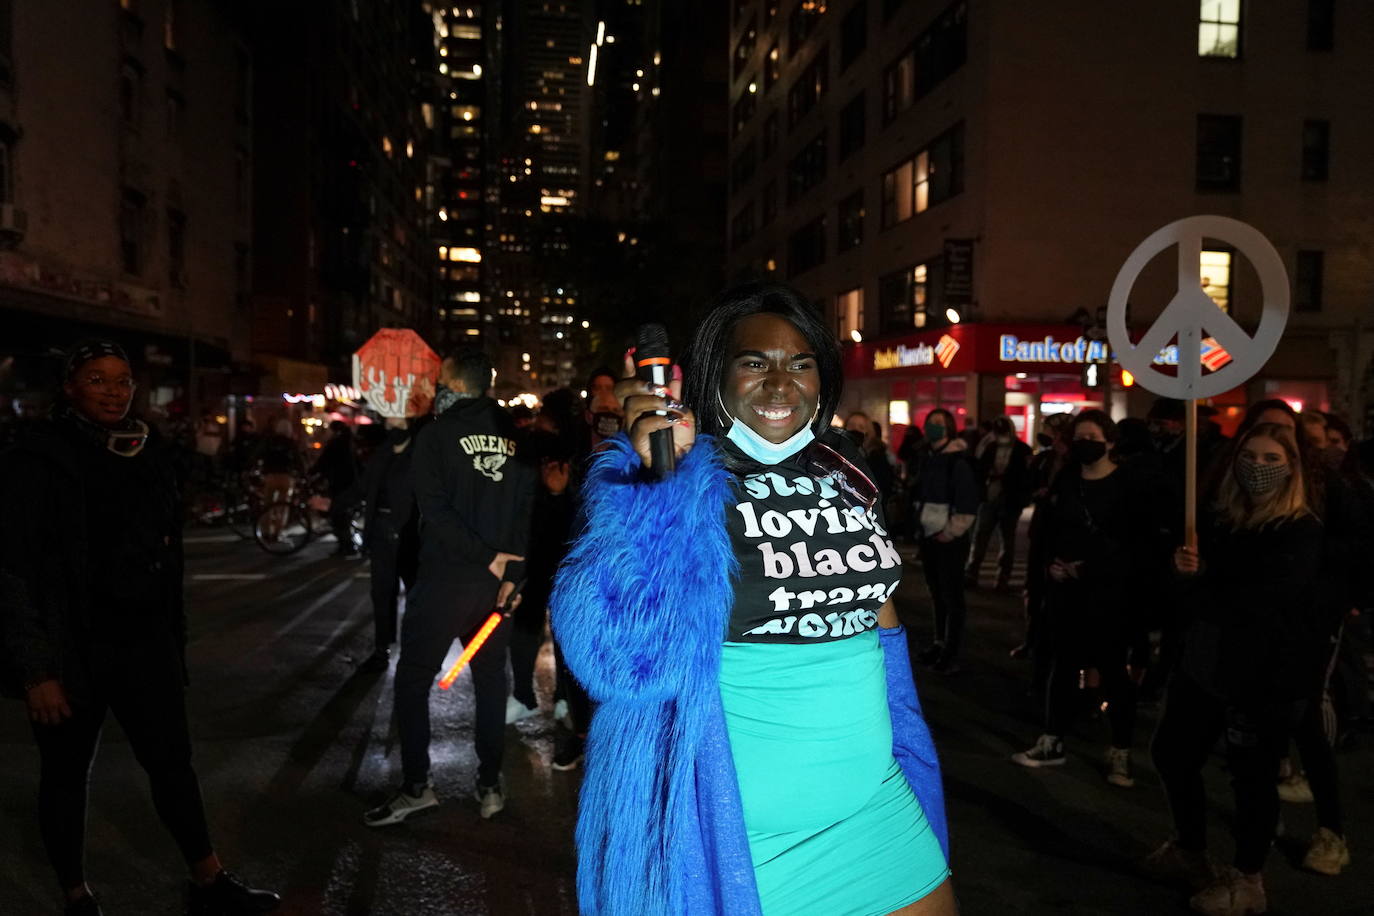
(640, 609)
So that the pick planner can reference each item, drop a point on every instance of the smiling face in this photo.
(772, 383)
(102, 389)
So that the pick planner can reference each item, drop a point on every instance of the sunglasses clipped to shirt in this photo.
(856, 489)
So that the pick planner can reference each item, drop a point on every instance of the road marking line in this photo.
(228, 577)
(211, 539)
(314, 606)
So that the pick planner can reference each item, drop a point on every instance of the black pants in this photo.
(527, 633)
(442, 608)
(142, 686)
(943, 564)
(998, 517)
(395, 555)
(1256, 738)
(1062, 696)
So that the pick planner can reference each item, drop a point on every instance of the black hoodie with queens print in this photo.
(475, 488)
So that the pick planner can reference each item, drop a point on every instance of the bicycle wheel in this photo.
(241, 511)
(282, 528)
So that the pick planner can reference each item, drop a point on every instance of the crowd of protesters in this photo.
(1255, 633)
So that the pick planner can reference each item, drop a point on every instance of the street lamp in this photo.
(953, 315)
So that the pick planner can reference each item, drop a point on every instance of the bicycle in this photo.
(287, 525)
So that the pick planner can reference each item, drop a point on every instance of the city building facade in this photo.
(126, 199)
(958, 183)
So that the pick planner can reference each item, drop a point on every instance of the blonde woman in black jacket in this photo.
(1253, 651)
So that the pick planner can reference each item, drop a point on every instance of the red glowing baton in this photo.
(470, 650)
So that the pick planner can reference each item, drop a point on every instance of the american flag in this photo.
(945, 350)
(1213, 355)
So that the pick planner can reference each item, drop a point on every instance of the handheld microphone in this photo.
(653, 365)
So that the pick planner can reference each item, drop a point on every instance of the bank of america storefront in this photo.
(979, 371)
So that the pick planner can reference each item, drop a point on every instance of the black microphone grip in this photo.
(653, 365)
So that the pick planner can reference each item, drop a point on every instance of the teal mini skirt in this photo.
(834, 828)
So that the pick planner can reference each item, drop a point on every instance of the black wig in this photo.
(706, 359)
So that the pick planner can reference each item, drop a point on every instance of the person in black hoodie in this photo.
(1003, 465)
(1254, 649)
(1101, 533)
(339, 467)
(945, 505)
(391, 533)
(92, 620)
(474, 488)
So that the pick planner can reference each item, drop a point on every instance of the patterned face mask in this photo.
(1260, 479)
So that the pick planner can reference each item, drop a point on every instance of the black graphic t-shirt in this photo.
(811, 568)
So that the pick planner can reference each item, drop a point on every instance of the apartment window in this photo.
(176, 249)
(770, 134)
(6, 179)
(172, 22)
(130, 94)
(852, 126)
(806, 247)
(772, 68)
(849, 313)
(176, 113)
(1321, 25)
(1218, 28)
(929, 177)
(806, 15)
(1307, 281)
(906, 297)
(1316, 149)
(744, 165)
(6, 41)
(807, 168)
(851, 222)
(743, 225)
(1214, 269)
(937, 53)
(769, 201)
(744, 48)
(853, 34)
(744, 107)
(1218, 152)
(807, 91)
(131, 231)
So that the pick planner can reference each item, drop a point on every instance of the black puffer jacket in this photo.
(46, 556)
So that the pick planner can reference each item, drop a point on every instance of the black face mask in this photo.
(1087, 451)
(1045, 440)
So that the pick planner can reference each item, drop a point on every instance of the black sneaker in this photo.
(379, 660)
(400, 806)
(228, 896)
(84, 906)
(568, 752)
(492, 799)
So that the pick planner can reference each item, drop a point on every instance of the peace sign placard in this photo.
(1192, 314)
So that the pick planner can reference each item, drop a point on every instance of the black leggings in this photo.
(1256, 737)
(1079, 634)
(143, 687)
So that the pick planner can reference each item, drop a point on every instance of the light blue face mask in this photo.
(759, 448)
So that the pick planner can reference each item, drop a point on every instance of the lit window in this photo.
(1214, 269)
(470, 255)
(849, 312)
(386, 145)
(1218, 28)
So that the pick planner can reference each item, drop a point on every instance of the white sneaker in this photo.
(1047, 752)
(1232, 894)
(1294, 788)
(561, 714)
(492, 799)
(515, 710)
(399, 807)
(1119, 767)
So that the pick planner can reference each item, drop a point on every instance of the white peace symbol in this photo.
(1192, 311)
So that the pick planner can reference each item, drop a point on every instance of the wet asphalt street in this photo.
(292, 744)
